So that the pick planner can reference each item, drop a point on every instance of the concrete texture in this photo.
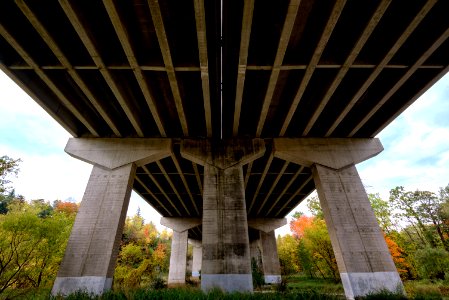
(226, 256)
(356, 284)
(334, 153)
(197, 260)
(112, 153)
(96, 285)
(93, 246)
(178, 259)
(225, 231)
(227, 282)
(223, 154)
(266, 224)
(356, 238)
(180, 224)
(270, 258)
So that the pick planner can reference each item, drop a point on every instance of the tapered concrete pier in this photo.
(363, 259)
(91, 253)
(226, 256)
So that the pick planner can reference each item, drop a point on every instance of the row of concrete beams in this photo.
(123, 37)
(314, 64)
(262, 248)
(361, 253)
(202, 48)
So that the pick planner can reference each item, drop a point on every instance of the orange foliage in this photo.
(398, 256)
(299, 225)
(68, 208)
(159, 254)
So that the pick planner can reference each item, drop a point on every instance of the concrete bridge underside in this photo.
(225, 109)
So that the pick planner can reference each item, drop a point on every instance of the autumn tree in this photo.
(31, 246)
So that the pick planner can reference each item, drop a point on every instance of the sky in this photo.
(416, 153)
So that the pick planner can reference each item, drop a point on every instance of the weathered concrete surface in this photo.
(334, 153)
(223, 154)
(226, 257)
(270, 258)
(112, 153)
(178, 259)
(266, 224)
(363, 259)
(197, 260)
(92, 249)
(180, 224)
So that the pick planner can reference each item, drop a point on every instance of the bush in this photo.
(432, 263)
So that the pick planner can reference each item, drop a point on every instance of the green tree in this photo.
(432, 263)
(31, 247)
(421, 209)
(382, 211)
(288, 254)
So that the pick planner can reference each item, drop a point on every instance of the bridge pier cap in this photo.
(335, 153)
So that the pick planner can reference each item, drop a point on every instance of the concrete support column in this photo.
(226, 256)
(264, 245)
(363, 259)
(92, 249)
(178, 256)
(178, 259)
(197, 259)
(270, 258)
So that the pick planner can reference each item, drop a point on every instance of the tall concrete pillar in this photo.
(265, 242)
(92, 249)
(363, 259)
(196, 259)
(178, 259)
(178, 256)
(226, 256)
(270, 258)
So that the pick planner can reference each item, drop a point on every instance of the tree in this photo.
(421, 209)
(288, 255)
(300, 224)
(313, 204)
(382, 211)
(8, 167)
(31, 247)
(432, 263)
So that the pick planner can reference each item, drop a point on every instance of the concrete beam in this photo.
(223, 154)
(180, 224)
(112, 153)
(335, 153)
(266, 224)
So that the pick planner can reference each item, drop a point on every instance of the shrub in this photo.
(432, 263)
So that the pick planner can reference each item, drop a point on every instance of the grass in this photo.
(298, 288)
